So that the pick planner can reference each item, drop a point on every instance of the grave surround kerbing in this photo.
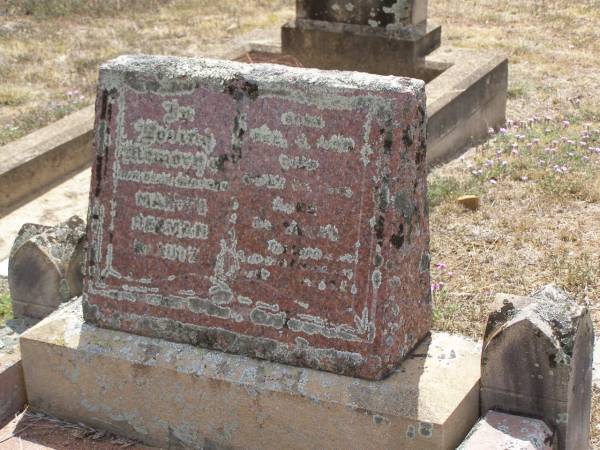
(262, 210)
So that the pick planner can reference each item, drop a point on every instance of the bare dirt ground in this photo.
(539, 179)
(32, 431)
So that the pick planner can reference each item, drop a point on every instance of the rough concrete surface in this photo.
(44, 158)
(12, 385)
(180, 396)
(508, 432)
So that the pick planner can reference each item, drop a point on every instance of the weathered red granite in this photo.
(263, 210)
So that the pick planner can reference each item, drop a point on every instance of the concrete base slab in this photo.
(506, 431)
(12, 384)
(179, 396)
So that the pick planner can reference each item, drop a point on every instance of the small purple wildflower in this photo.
(435, 287)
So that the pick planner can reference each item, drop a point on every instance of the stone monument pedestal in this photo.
(179, 396)
(341, 46)
(373, 36)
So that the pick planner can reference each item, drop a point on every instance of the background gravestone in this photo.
(45, 267)
(388, 37)
(537, 362)
(394, 14)
(262, 210)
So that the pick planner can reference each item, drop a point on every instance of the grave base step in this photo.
(179, 396)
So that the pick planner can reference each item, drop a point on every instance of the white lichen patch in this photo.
(343, 191)
(174, 112)
(400, 10)
(311, 325)
(268, 181)
(267, 136)
(259, 223)
(348, 258)
(275, 247)
(175, 252)
(290, 118)
(336, 143)
(180, 180)
(181, 229)
(311, 253)
(280, 205)
(302, 305)
(299, 186)
(365, 154)
(302, 142)
(260, 316)
(242, 300)
(329, 232)
(152, 133)
(170, 202)
(297, 162)
(376, 279)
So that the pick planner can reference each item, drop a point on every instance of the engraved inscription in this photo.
(274, 212)
(252, 208)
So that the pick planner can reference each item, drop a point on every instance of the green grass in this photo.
(5, 309)
(13, 95)
(558, 158)
(35, 119)
(447, 188)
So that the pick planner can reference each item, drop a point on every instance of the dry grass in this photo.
(538, 223)
(50, 49)
(5, 309)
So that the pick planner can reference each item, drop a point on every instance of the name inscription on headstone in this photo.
(263, 210)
